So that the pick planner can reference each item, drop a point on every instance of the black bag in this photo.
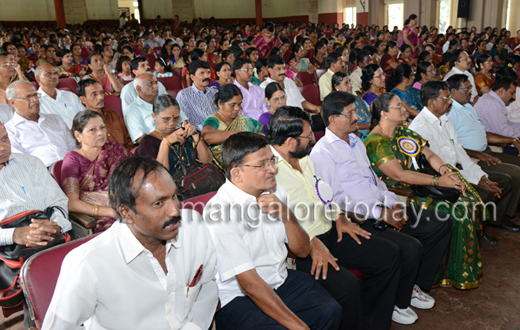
(440, 193)
(197, 180)
(13, 256)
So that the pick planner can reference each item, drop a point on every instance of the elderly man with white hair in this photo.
(33, 133)
(52, 100)
(138, 117)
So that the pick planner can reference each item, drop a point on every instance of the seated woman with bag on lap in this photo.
(170, 146)
(86, 171)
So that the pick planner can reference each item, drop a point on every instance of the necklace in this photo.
(221, 118)
(382, 130)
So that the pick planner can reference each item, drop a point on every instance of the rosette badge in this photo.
(410, 147)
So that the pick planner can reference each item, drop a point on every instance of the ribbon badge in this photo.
(324, 191)
(410, 147)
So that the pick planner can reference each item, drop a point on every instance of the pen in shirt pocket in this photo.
(195, 280)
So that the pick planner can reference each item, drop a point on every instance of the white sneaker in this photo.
(404, 316)
(421, 300)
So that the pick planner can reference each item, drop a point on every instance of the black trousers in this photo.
(379, 260)
(300, 293)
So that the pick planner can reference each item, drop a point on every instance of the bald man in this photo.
(138, 117)
(52, 100)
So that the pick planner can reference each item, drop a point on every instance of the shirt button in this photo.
(268, 231)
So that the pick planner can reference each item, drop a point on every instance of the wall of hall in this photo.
(27, 10)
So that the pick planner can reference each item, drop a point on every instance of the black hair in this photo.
(276, 51)
(236, 147)
(164, 63)
(295, 48)
(220, 65)
(238, 64)
(480, 61)
(7, 44)
(269, 26)
(504, 82)
(404, 47)
(411, 17)
(320, 44)
(261, 63)
(250, 50)
(226, 53)
(367, 75)
(163, 102)
(432, 89)
(507, 72)
(511, 60)
(120, 61)
(422, 68)
(64, 52)
(390, 44)
(197, 64)
(134, 64)
(129, 48)
(237, 51)
(335, 103)
(271, 88)
(120, 192)
(455, 57)
(286, 122)
(403, 70)
(353, 55)
(456, 80)
(337, 78)
(380, 104)
(81, 120)
(196, 54)
(83, 84)
(332, 58)
(453, 42)
(275, 60)
(197, 44)
(89, 59)
(226, 93)
(361, 56)
(423, 55)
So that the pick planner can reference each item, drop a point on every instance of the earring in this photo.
(386, 117)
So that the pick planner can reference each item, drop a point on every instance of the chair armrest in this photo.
(402, 192)
(83, 219)
(355, 217)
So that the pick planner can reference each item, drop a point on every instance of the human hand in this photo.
(451, 180)
(270, 203)
(345, 226)
(177, 136)
(490, 160)
(321, 258)
(395, 217)
(39, 233)
(189, 128)
(493, 186)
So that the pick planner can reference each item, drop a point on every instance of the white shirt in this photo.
(28, 185)
(489, 46)
(513, 110)
(445, 47)
(6, 113)
(66, 105)
(443, 140)
(294, 96)
(49, 139)
(129, 94)
(114, 282)
(454, 70)
(245, 239)
(355, 78)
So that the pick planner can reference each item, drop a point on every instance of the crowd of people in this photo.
(355, 198)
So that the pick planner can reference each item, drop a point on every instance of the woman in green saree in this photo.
(226, 122)
(461, 266)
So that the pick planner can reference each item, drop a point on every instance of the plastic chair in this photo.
(197, 203)
(318, 135)
(55, 170)
(177, 72)
(311, 93)
(113, 102)
(39, 276)
(306, 78)
(69, 83)
(171, 83)
(320, 72)
(66, 89)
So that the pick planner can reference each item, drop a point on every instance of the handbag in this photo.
(195, 180)
(13, 256)
(450, 195)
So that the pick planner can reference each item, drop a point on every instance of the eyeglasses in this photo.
(447, 98)
(278, 99)
(310, 137)
(168, 120)
(466, 89)
(400, 106)
(8, 64)
(348, 115)
(247, 70)
(264, 165)
(27, 98)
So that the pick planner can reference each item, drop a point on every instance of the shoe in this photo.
(489, 240)
(510, 226)
(420, 299)
(404, 316)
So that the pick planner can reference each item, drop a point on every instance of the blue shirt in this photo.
(197, 105)
(469, 128)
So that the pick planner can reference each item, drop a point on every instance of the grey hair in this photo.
(163, 102)
(38, 69)
(10, 92)
(139, 80)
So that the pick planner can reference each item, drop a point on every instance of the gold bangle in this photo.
(357, 127)
(167, 142)
(515, 140)
(95, 210)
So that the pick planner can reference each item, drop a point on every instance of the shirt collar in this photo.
(496, 97)
(130, 245)
(198, 90)
(17, 119)
(239, 196)
(332, 138)
(433, 119)
(303, 161)
(44, 94)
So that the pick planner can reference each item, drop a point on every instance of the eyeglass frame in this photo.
(29, 97)
(264, 164)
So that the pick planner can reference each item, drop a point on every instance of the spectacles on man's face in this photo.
(348, 114)
(27, 98)
(445, 99)
(310, 137)
(465, 89)
(264, 165)
(246, 70)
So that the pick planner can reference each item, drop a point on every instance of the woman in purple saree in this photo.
(86, 171)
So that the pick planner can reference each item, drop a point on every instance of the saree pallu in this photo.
(482, 80)
(461, 266)
(363, 113)
(412, 97)
(89, 179)
(240, 123)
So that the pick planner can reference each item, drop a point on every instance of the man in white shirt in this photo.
(446, 46)
(460, 63)
(150, 270)
(129, 93)
(52, 100)
(363, 59)
(42, 135)
(253, 228)
(6, 113)
(433, 125)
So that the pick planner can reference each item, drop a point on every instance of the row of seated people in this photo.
(228, 100)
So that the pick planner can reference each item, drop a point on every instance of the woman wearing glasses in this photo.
(391, 163)
(400, 83)
(484, 79)
(275, 98)
(226, 122)
(425, 72)
(372, 82)
(170, 145)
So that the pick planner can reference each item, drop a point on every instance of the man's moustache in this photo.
(172, 221)
(207, 79)
(102, 102)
